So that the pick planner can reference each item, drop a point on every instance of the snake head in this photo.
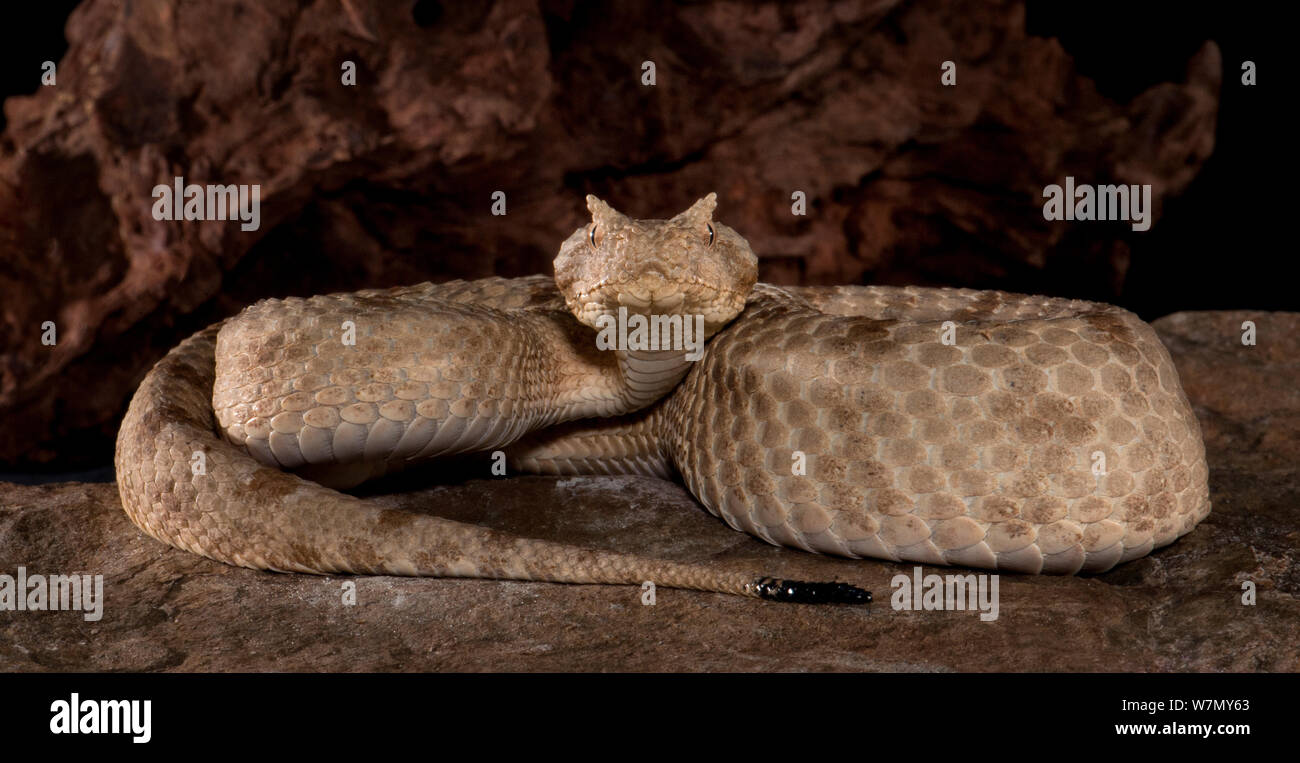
(688, 265)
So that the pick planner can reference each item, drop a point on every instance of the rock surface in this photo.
(390, 182)
(1178, 609)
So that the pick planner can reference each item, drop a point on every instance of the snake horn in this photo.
(702, 210)
(603, 214)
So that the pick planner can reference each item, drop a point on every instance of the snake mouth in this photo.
(651, 297)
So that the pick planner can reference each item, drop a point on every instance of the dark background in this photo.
(1216, 247)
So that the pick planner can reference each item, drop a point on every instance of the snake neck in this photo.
(649, 375)
(591, 380)
(639, 378)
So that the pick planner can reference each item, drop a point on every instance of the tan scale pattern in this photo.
(978, 454)
(429, 371)
(242, 512)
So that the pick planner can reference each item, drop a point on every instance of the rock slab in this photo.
(1179, 609)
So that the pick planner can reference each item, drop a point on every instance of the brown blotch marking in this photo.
(855, 445)
(835, 347)
(1133, 509)
(759, 482)
(889, 502)
(1043, 354)
(824, 393)
(888, 424)
(1013, 336)
(811, 440)
(851, 526)
(871, 399)
(1133, 403)
(852, 371)
(842, 418)
(1112, 325)
(1004, 406)
(1052, 459)
(981, 432)
(829, 468)
(1023, 380)
(1089, 354)
(773, 434)
(1032, 430)
(971, 482)
(1073, 379)
(940, 506)
(749, 453)
(862, 330)
(1075, 430)
(992, 356)
(798, 490)
(783, 385)
(936, 430)
(904, 375)
(871, 473)
(936, 355)
(924, 479)
(1059, 337)
(879, 352)
(1090, 509)
(1025, 484)
(964, 408)
(806, 365)
(799, 413)
(1148, 380)
(1044, 509)
(1053, 407)
(1125, 353)
(271, 484)
(996, 508)
(957, 455)
(965, 380)
(902, 452)
(1094, 406)
(1118, 483)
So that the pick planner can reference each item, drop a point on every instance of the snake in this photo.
(943, 426)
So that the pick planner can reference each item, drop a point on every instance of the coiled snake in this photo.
(941, 426)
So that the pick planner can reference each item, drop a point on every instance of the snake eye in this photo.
(591, 237)
(710, 233)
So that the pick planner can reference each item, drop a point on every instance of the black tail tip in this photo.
(800, 592)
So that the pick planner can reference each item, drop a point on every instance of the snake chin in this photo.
(717, 306)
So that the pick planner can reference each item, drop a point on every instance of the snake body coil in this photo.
(941, 426)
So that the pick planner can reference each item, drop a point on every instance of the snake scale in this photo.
(938, 426)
